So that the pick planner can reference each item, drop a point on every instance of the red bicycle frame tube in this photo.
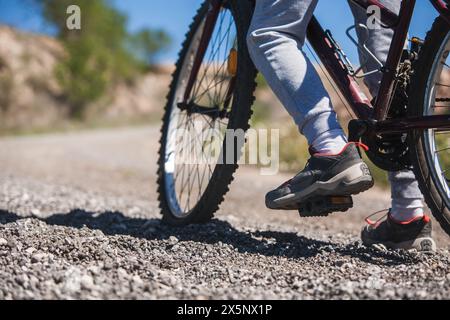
(346, 83)
(350, 88)
(442, 8)
(421, 123)
(210, 23)
(394, 57)
(340, 74)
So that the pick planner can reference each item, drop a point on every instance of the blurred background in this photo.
(115, 71)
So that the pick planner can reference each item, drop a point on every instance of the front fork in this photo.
(210, 23)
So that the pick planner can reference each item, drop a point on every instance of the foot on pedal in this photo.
(322, 206)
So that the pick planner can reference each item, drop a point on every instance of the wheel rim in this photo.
(195, 136)
(437, 102)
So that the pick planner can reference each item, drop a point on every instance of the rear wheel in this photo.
(192, 182)
(430, 95)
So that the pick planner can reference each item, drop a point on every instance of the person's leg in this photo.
(275, 42)
(407, 199)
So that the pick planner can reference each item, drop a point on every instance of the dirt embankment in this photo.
(30, 96)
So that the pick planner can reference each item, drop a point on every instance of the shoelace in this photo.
(378, 221)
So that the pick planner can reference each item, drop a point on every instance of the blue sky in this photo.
(175, 15)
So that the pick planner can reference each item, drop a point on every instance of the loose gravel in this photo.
(65, 234)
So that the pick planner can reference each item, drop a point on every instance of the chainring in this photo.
(390, 152)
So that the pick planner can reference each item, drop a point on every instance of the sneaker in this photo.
(325, 175)
(391, 234)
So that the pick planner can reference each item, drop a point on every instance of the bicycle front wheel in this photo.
(430, 95)
(193, 177)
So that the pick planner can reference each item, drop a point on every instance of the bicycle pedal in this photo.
(324, 206)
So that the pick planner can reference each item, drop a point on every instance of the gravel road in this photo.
(79, 219)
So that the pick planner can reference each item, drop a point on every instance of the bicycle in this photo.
(214, 83)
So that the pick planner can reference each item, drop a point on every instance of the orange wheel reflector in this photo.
(232, 62)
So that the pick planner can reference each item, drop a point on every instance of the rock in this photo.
(173, 240)
(22, 279)
(122, 273)
(30, 250)
(137, 282)
(38, 257)
(72, 285)
(339, 263)
(87, 282)
(135, 211)
(3, 242)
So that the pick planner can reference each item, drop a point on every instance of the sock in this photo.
(406, 210)
(330, 142)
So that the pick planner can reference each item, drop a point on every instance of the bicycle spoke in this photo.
(212, 45)
(442, 150)
(213, 54)
(210, 57)
(197, 134)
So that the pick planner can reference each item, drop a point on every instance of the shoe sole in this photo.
(322, 206)
(423, 245)
(352, 181)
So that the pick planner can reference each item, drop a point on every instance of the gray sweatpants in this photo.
(276, 38)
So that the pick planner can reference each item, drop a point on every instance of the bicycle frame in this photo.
(360, 104)
(350, 88)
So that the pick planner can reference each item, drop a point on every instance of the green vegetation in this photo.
(261, 81)
(148, 43)
(100, 54)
